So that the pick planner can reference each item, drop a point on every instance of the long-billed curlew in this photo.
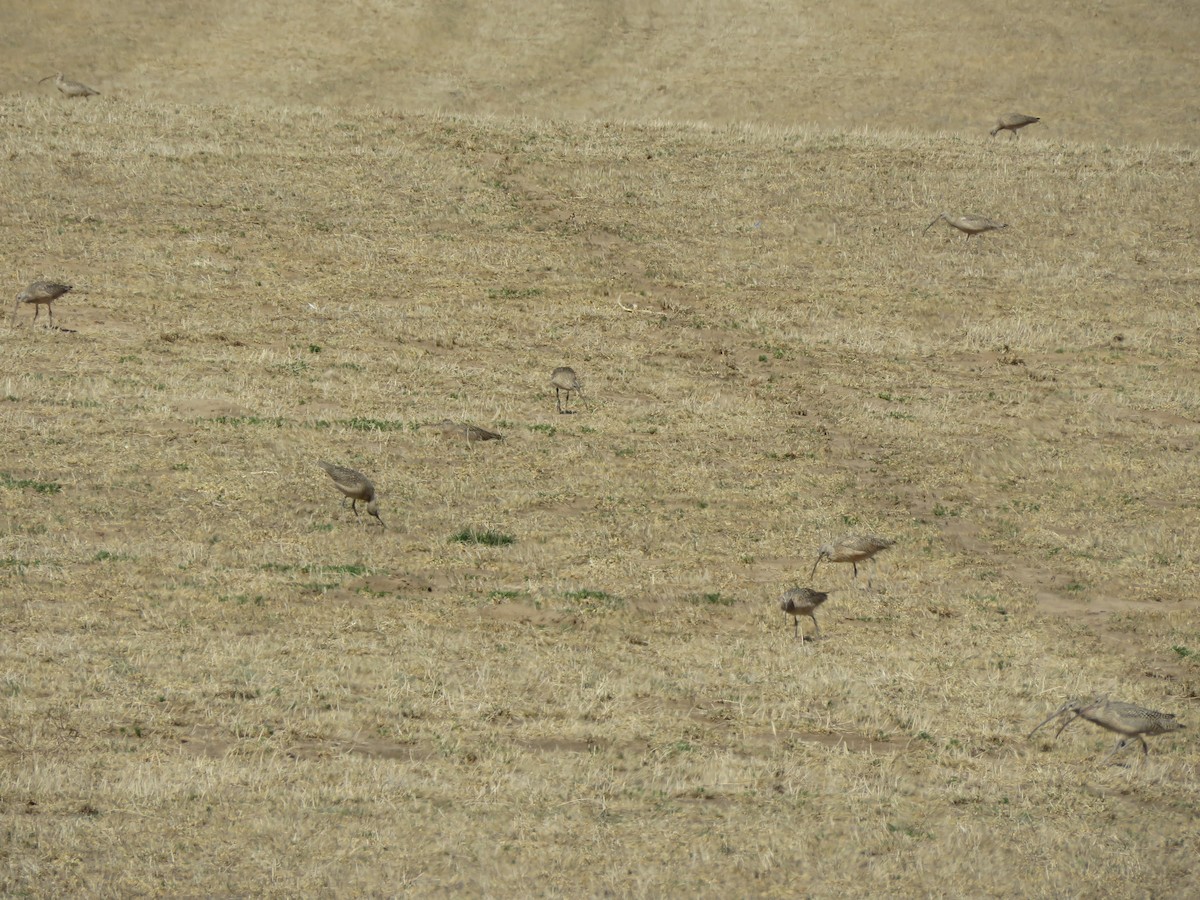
(853, 549)
(70, 88)
(968, 225)
(461, 431)
(1125, 719)
(354, 485)
(40, 293)
(1012, 123)
(564, 379)
(798, 602)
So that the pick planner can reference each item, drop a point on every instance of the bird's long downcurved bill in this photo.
(1061, 711)
(931, 224)
(814, 568)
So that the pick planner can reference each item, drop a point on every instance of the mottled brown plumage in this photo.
(471, 434)
(564, 379)
(968, 225)
(798, 602)
(355, 485)
(1012, 123)
(1126, 719)
(852, 549)
(70, 88)
(40, 293)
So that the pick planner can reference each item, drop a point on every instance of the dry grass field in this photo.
(561, 669)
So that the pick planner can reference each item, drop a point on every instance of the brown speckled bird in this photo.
(853, 549)
(968, 225)
(1126, 719)
(355, 485)
(1012, 123)
(40, 293)
(798, 602)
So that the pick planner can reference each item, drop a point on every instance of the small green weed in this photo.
(479, 536)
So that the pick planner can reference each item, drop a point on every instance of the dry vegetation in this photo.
(216, 681)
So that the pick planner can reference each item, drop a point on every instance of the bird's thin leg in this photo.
(354, 506)
(37, 308)
(1145, 748)
(50, 310)
(816, 627)
(558, 399)
(796, 627)
(1121, 745)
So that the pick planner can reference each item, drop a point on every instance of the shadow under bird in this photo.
(968, 225)
(797, 602)
(70, 88)
(564, 379)
(1126, 719)
(40, 293)
(853, 549)
(355, 485)
(1012, 123)
(472, 434)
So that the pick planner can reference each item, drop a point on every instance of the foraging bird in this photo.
(70, 88)
(1012, 122)
(852, 549)
(798, 602)
(1125, 719)
(564, 379)
(968, 225)
(354, 485)
(39, 293)
(461, 431)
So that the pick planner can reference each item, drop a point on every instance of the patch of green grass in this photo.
(1184, 652)
(42, 487)
(360, 424)
(105, 556)
(711, 599)
(480, 536)
(243, 599)
(237, 421)
(346, 569)
(909, 831)
(339, 569)
(548, 430)
(507, 595)
(318, 587)
(513, 293)
(595, 599)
